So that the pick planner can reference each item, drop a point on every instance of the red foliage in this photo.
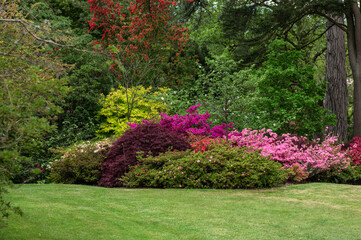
(139, 30)
(146, 138)
(354, 152)
(204, 144)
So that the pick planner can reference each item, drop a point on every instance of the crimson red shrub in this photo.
(354, 150)
(149, 138)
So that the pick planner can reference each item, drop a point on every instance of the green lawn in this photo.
(311, 211)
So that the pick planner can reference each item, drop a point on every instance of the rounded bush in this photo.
(315, 157)
(80, 164)
(149, 138)
(223, 166)
(350, 175)
(115, 106)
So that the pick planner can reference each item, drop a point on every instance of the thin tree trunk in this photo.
(336, 91)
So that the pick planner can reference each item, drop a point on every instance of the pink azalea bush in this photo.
(191, 123)
(313, 157)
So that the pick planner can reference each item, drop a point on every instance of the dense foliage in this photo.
(80, 164)
(129, 105)
(31, 83)
(222, 88)
(223, 166)
(289, 99)
(129, 30)
(149, 138)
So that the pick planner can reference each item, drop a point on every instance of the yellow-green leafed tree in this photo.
(129, 105)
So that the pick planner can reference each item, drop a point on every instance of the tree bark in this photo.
(336, 91)
(354, 48)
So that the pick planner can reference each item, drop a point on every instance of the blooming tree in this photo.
(140, 40)
(138, 36)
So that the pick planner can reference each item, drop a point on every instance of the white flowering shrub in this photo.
(80, 164)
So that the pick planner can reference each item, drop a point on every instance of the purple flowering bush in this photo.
(223, 166)
(191, 123)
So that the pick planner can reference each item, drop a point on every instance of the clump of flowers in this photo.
(314, 157)
(205, 144)
(355, 150)
(297, 174)
(192, 123)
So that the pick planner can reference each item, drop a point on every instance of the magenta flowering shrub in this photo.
(191, 123)
(355, 150)
(290, 150)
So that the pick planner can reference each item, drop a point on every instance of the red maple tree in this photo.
(144, 45)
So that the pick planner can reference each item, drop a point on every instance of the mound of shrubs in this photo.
(80, 164)
(222, 166)
(184, 151)
(149, 138)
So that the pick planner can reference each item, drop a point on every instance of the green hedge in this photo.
(223, 166)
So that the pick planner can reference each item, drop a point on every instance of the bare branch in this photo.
(51, 42)
(319, 54)
(32, 34)
(315, 39)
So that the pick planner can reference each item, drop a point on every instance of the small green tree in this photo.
(222, 87)
(121, 107)
(289, 97)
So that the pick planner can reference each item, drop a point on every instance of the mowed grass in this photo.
(70, 212)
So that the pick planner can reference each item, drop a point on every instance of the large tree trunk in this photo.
(357, 102)
(354, 49)
(336, 91)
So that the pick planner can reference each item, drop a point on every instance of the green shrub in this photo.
(220, 167)
(288, 94)
(350, 175)
(7, 168)
(80, 164)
